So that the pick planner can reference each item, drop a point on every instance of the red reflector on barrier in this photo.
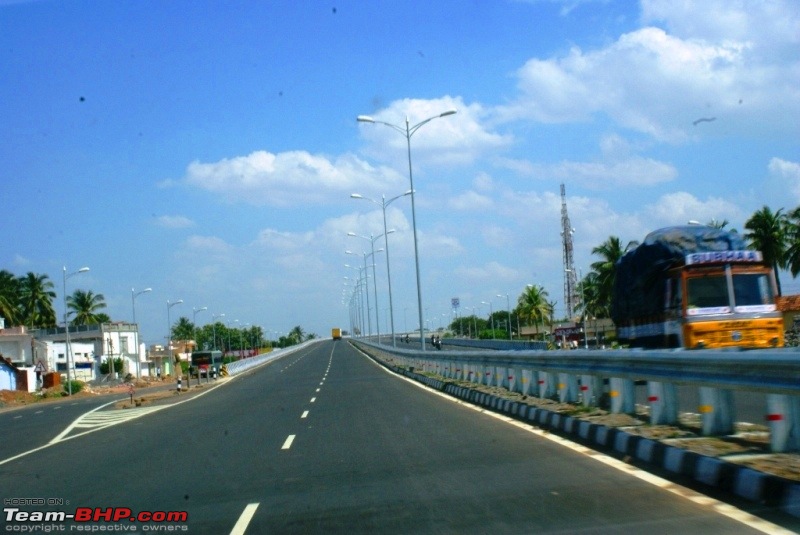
(652, 398)
(774, 417)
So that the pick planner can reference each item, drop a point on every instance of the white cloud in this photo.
(470, 200)
(658, 83)
(21, 261)
(489, 272)
(174, 221)
(618, 166)
(784, 178)
(634, 171)
(290, 178)
(452, 140)
(680, 207)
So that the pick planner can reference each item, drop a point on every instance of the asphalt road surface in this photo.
(325, 441)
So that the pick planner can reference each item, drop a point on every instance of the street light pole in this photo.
(66, 324)
(383, 204)
(409, 131)
(491, 315)
(508, 307)
(194, 327)
(214, 326)
(169, 332)
(583, 308)
(134, 295)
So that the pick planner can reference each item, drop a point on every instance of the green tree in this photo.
(297, 335)
(36, 293)
(767, 232)
(469, 325)
(591, 305)
(9, 297)
(85, 306)
(533, 307)
(183, 329)
(792, 236)
(610, 251)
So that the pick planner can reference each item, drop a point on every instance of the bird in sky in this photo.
(704, 120)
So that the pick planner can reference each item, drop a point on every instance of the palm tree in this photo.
(532, 305)
(9, 297)
(768, 234)
(297, 334)
(36, 300)
(792, 225)
(610, 252)
(183, 329)
(85, 306)
(589, 289)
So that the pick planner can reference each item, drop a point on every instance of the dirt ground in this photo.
(13, 398)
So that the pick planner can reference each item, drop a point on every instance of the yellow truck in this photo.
(695, 287)
(336, 333)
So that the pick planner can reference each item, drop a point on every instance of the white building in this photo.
(96, 343)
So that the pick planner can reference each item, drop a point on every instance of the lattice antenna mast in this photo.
(570, 275)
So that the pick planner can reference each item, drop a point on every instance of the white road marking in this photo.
(244, 519)
(17, 417)
(288, 442)
(318, 390)
(313, 400)
(305, 413)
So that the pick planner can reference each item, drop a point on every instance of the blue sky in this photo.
(208, 150)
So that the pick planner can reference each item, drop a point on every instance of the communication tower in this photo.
(570, 275)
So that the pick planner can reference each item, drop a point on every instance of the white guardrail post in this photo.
(591, 390)
(716, 411)
(567, 388)
(622, 394)
(527, 378)
(547, 384)
(783, 415)
(663, 400)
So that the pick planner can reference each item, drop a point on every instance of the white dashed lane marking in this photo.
(288, 442)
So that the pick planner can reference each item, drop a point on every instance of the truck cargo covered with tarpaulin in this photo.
(695, 286)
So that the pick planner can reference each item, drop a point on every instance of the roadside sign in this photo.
(39, 367)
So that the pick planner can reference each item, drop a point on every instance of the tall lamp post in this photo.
(134, 295)
(583, 308)
(371, 239)
(366, 289)
(383, 204)
(508, 308)
(169, 331)
(66, 325)
(407, 132)
(491, 315)
(214, 326)
(195, 311)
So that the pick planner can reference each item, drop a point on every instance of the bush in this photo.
(77, 386)
(105, 367)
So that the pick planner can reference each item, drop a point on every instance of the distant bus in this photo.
(204, 361)
(336, 333)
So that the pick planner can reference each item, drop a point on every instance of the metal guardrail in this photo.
(243, 365)
(577, 375)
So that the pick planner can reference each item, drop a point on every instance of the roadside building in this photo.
(92, 345)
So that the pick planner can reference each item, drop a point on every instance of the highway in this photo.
(324, 440)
